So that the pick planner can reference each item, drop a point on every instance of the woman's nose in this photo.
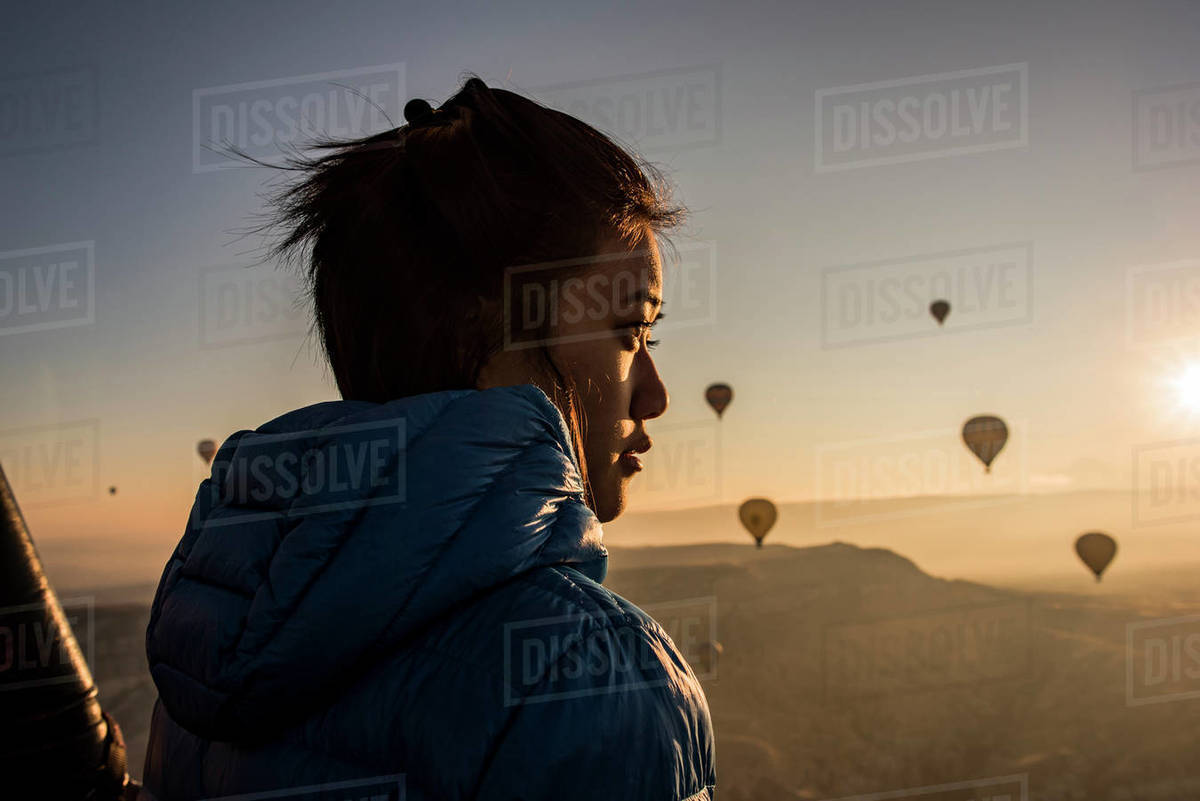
(650, 398)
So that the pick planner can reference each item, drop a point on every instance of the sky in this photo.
(1045, 178)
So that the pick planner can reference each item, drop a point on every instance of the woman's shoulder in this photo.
(566, 684)
(602, 703)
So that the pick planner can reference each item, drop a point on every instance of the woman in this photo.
(402, 589)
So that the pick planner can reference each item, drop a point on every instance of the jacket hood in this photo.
(336, 532)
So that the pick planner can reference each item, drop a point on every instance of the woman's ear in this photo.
(504, 366)
(508, 365)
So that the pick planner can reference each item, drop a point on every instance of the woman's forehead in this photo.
(635, 277)
(640, 267)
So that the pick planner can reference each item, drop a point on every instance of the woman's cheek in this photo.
(602, 363)
(622, 364)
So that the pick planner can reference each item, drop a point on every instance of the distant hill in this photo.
(845, 670)
(994, 538)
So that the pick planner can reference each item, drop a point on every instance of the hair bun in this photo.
(416, 110)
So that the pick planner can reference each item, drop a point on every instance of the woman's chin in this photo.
(609, 497)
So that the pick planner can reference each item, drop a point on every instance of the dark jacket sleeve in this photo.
(621, 715)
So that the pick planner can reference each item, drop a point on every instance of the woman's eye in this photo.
(638, 332)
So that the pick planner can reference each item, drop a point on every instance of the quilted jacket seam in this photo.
(592, 606)
(200, 578)
(448, 541)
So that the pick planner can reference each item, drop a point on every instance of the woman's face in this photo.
(597, 319)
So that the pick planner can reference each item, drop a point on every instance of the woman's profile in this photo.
(405, 585)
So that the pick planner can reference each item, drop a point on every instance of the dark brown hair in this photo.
(405, 236)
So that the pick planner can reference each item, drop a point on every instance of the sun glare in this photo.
(1187, 388)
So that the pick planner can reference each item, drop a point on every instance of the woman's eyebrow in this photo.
(641, 296)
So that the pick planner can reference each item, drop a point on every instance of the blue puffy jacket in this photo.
(408, 595)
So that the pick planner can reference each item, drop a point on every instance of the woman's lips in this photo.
(632, 461)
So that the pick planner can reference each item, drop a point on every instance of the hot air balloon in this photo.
(939, 309)
(207, 449)
(985, 436)
(112, 490)
(1097, 550)
(758, 515)
(718, 397)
